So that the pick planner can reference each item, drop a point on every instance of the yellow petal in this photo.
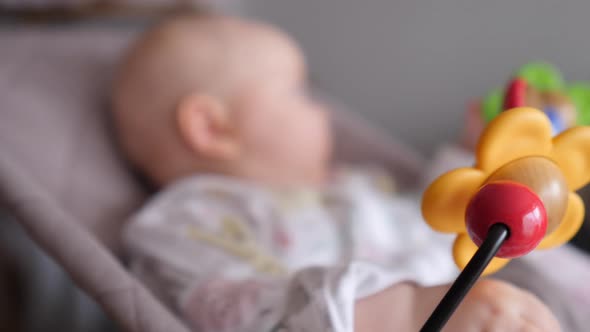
(571, 223)
(464, 249)
(445, 201)
(515, 133)
(571, 151)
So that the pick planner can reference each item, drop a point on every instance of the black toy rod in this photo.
(496, 236)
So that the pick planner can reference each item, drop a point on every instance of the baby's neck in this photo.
(276, 179)
(282, 181)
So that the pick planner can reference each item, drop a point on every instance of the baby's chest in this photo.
(337, 234)
(308, 237)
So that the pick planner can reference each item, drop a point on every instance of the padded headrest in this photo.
(54, 87)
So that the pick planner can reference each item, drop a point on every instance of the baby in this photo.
(253, 230)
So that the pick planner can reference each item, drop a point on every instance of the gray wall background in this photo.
(412, 66)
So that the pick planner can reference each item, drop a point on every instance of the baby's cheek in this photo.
(269, 134)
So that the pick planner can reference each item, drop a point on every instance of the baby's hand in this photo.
(490, 306)
(493, 306)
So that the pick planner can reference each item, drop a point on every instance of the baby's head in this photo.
(219, 95)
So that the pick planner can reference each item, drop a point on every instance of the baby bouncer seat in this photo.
(63, 179)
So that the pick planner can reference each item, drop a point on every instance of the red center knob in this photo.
(514, 205)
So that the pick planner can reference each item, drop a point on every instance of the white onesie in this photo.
(229, 255)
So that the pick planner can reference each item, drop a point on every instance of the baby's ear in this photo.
(206, 127)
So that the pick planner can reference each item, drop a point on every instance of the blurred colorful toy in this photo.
(540, 85)
(520, 194)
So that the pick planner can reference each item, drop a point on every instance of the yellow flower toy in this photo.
(523, 177)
